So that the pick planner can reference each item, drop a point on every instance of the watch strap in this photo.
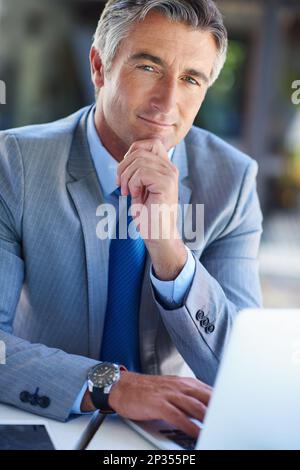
(100, 401)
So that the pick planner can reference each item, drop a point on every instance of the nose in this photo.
(164, 97)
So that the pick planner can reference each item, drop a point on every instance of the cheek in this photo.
(115, 105)
(126, 99)
(190, 107)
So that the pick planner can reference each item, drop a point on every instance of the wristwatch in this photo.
(101, 378)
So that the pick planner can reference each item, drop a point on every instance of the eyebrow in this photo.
(157, 60)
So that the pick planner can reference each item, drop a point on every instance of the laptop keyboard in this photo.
(180, 438)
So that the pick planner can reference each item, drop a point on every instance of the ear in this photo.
(97, 71)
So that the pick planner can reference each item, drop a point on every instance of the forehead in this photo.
(170, 40)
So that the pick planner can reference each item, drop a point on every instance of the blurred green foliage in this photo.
(222, 110)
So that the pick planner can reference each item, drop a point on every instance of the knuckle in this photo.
(134, 146)
(139, 157)
(173, 416)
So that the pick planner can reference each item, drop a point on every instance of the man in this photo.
(70, 299)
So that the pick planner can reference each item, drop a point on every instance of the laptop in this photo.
(256, 399)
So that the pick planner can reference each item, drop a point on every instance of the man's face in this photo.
(156, 84)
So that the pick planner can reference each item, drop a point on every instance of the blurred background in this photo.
(44, 46)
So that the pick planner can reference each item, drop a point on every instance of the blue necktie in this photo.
(120, 342)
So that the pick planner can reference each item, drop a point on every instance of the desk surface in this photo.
(115, 434)
(65, 436)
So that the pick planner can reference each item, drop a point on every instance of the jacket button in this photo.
(33, 400)
(204, 322)
(25, 396)
(210, 329)
(199, 315)
(44, 402)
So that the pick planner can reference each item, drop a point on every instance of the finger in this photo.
(190, 406)
(139, 154)
(146, 165)
(152, 145)
(177, 418)
(196, 389)
(207, 387)
(151, 179)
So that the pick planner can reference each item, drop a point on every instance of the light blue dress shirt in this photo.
(170, 293)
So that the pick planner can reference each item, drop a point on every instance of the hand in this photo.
(173, 399)
(147, 165)
(152, 180)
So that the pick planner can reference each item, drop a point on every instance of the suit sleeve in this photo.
(226, 280)
(51, 373)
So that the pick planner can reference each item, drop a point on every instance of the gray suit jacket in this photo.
(53, 268)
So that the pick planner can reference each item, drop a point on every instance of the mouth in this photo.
(156, 124)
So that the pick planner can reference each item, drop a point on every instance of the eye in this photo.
(191, 80)
(147, 68)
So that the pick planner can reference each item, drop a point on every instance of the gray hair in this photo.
(119, 16)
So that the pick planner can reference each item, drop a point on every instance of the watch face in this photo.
(103, 375)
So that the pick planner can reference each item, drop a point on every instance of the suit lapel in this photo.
(87, 196)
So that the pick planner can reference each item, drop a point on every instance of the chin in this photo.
(167, 141)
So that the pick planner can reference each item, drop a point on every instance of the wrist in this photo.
(115, 395)
(101, 379)
(86, 403)
(168, 259)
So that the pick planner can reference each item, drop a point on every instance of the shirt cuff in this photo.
(77, 403)
(172, 293)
